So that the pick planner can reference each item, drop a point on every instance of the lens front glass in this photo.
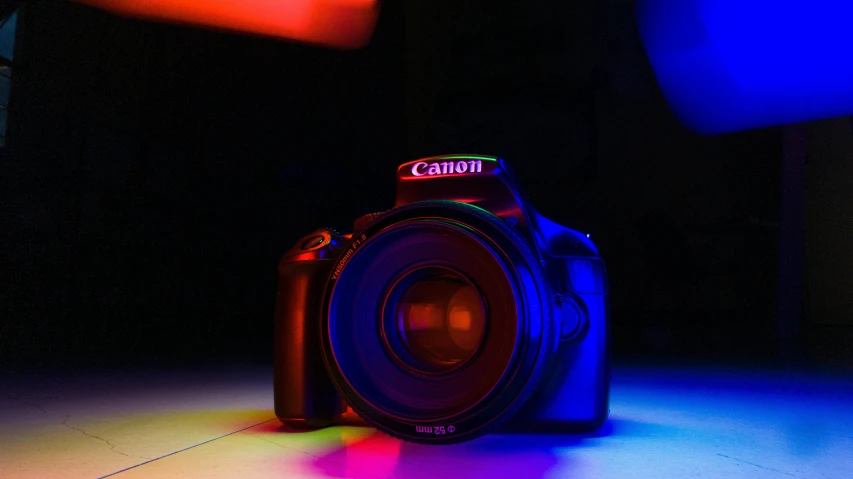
(440, 323)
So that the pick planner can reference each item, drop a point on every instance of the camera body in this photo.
(459, 312)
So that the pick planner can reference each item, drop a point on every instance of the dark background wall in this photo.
(828, 235)
(155, 173)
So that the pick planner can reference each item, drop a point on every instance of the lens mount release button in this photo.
(313, 242)
(570, 317)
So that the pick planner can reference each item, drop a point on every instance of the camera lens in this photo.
(437, 315)
(440, 321)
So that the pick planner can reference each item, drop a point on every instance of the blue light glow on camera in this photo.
(587, 275)
(729, 65)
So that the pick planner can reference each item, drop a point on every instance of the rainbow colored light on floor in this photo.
(219, 423)
(729, 65)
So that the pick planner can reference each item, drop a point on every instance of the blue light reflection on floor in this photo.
(665, 423)
(728, 65)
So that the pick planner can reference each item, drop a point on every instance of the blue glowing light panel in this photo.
(730, 65)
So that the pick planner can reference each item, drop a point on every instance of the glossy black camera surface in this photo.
(458, 312)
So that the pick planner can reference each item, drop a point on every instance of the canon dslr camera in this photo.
(458, 312)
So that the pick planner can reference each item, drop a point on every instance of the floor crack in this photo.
(184, 449)
(28, 401)
(280, 445)
(757, 465)
(112, 446)
(36, 405)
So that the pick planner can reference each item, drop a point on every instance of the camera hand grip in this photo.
(303, 393)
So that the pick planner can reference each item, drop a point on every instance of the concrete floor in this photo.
(665, 423)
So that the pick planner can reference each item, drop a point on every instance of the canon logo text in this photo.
(446, 168)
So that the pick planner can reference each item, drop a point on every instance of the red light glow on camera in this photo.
(341, 24)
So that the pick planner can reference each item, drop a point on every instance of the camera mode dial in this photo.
(322, 243)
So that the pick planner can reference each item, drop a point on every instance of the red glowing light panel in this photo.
(334, 23)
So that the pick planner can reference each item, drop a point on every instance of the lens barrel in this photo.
(437, 322)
